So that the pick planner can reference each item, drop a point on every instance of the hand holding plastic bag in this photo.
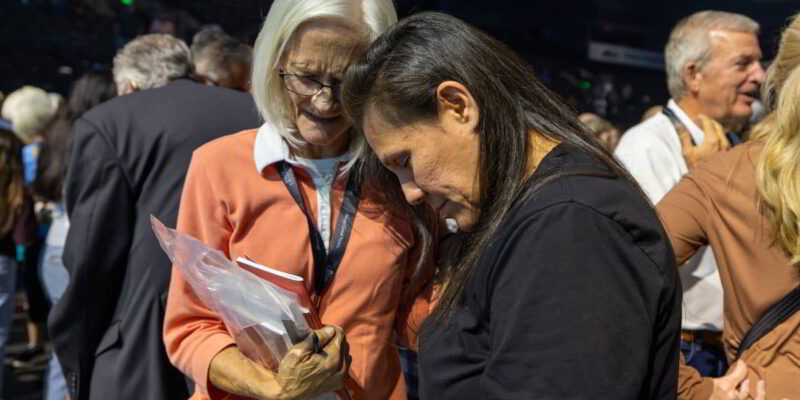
(264, 319)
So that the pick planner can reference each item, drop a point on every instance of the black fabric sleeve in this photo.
(100, 207)
(25, 226)
(573, 306)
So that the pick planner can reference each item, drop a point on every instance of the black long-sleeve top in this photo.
(577, 297)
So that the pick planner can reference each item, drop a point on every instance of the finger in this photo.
(326, 334)
(735, 375)
(715, 131)
(744, 390)
(334, 345)
(299, 351)
(761, 390)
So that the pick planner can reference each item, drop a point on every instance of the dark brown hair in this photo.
(398, 75)
(91, 89)
(12, 187)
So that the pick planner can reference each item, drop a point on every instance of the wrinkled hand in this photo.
(714, 141)
(303, 374)
(735, 385)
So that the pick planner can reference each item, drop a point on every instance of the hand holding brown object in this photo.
(714, 141)
(302, 374)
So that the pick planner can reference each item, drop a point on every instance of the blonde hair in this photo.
(30, 110)
(690, 41)
(778, 166)
(283, 19)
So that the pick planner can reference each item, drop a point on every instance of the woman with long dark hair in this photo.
(564, 285)
(17, 229)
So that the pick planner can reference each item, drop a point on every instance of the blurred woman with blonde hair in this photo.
(744, 204)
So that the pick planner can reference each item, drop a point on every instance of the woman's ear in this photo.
(456, 106)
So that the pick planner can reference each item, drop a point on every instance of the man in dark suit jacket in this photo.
(129, 159)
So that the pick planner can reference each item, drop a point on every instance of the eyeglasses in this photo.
(306, 86)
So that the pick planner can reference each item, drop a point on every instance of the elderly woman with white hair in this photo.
(286, 196)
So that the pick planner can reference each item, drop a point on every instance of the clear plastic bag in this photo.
(264, 319)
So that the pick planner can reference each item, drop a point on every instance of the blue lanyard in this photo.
(325, 262)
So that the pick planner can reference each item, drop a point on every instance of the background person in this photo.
(564, 261)
(713, 64)
(221, 60)
(603, 130)
(91, 89)
(31, 111)
(128, 161)
(17, 228)
(743, 204)
(237, 199)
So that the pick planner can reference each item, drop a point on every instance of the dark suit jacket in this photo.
(129, 158)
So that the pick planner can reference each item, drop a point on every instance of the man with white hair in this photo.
(713, 65)
(129, 159)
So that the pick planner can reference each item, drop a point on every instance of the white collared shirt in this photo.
(270, 148)
(651, 151)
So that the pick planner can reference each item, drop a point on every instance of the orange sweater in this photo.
(230, 205)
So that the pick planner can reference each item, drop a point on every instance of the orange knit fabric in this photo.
(228, 204)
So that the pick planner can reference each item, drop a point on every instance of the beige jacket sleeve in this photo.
(684, 213)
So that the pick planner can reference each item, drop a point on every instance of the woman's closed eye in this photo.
(403, 161)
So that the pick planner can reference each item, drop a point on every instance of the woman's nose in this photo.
(414, 195)
(325, 100)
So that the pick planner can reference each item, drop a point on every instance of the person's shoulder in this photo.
(584, 181)
(227, 149)
(228, 152)
(190, 88)
(736, 165)
(650, 132)
(728, 160)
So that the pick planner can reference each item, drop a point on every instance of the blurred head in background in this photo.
(652, 111)
(603, 130)
(30, 110)
(151, 61)
(221, 60)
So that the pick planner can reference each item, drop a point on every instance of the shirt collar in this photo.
(694, 130)
(270, 148)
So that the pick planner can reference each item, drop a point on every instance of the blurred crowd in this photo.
(156, 134)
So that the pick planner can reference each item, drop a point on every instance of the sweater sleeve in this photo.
(684, 212)
(193, 333)
(576, 310)
(25, 225)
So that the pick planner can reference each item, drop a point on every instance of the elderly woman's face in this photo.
(435, 161)
(321, 51)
